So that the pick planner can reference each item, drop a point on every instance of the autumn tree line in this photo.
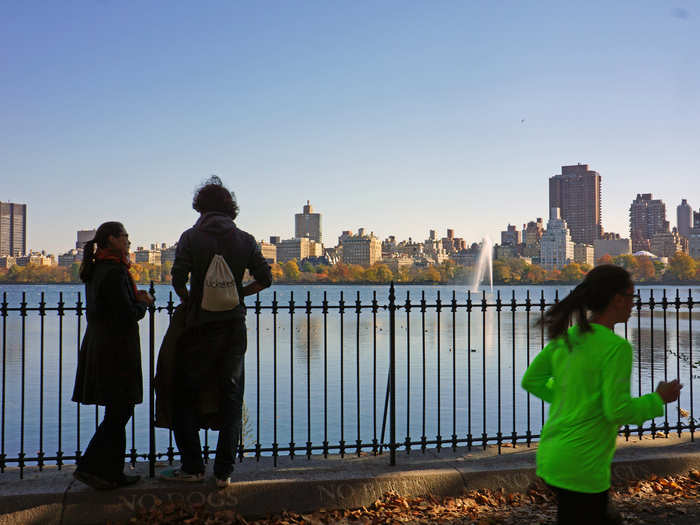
(680, 268)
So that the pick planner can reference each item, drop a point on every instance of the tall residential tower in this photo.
(308, 224)
(13, 229)
(576, 192)
(647, 218)
(684, 213)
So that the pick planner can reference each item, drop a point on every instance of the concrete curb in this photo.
(302, 485)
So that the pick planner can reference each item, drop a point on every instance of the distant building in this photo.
(410, 248)
(577, 194)
(298, 249)
(82, 237)
(360, 249)
(7, 262)
(308, 224)
(531, 238)
(13, 229)
(556, 246)
(694, 243)
(684, 214)
(36, 259)
(611, 244)
(647, 218)
(269, 251)
(275, 239)
(468, 257)
(584, 254)
(396, 262)
(667, 244)
(70, 257)
(452, 244)
(143, 256)
(511, 236)
(507, 251)
(167, 253)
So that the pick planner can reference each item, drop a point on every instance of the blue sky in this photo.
(399, 117)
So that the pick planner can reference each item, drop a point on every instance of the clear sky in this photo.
(396, 116)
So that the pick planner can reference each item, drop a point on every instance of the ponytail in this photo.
(101, 240)
(88, 260)
(594, 294)
(558, 317)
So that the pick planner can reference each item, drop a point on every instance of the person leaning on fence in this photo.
(109, 362)
(214, 255)
(584, 372)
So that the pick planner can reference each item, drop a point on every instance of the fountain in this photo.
(485, 260)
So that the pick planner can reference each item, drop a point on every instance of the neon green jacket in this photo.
(588, 386)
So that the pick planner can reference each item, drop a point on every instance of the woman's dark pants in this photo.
(104, 455)
(579, 508)
(217, 354)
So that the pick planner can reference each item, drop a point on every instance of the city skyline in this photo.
(399, 117)
(517, 231)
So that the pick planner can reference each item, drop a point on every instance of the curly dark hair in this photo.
(212, 195)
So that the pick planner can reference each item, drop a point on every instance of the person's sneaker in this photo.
(176, 474)
(223, 483)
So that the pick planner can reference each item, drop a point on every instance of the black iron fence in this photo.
(452, 367)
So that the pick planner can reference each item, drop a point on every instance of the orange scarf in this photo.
(105, 254)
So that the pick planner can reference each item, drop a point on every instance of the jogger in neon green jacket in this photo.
(584, 372)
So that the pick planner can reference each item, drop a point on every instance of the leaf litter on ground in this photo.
(653, 500)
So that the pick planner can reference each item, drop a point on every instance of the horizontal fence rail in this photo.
(352, 374)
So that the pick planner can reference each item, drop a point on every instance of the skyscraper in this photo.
(13, 229)
(576, 192)
(647, 218)
(556, 247)
(308, 224)
(683, 215)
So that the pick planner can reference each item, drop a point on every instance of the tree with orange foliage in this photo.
(605, 259)
(645, 269)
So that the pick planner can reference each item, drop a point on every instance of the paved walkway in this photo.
(304, 485)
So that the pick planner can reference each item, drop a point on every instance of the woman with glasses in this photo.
(109, 362)
(584, 373)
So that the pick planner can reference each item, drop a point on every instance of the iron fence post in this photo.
(392, 374)
(151, 387)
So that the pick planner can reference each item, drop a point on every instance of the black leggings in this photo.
(104, 456)
(580, 508)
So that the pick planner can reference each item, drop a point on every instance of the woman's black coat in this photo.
(109, 362)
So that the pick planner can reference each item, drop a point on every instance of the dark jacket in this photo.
(109, 362)
(216, 233)
(165, 382)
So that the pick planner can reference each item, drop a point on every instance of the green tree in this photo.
(356, 273)
(572, 272)
(291, 270)
(384, 273)
(75, 272)
(628, 262)
(308, 267)
(682, 267)
(430, 274)
(501, 272)
(165, 272)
